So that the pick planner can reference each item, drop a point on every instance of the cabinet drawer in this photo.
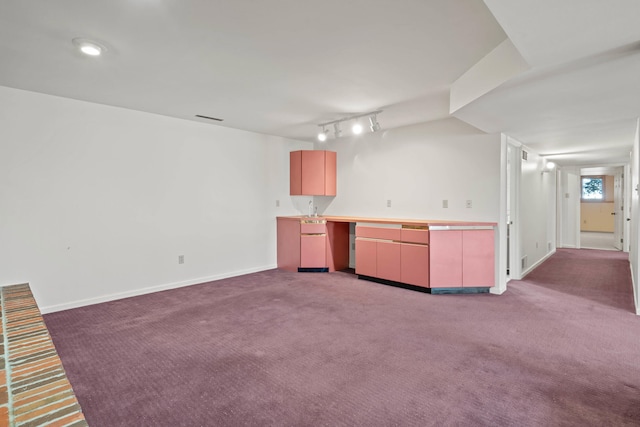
(383, 233)
(415, 235)
(313, 228)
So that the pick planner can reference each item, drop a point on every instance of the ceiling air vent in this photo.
(524, 155)
(209, 118)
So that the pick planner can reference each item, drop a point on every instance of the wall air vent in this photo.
(209, 118)
(524, 155)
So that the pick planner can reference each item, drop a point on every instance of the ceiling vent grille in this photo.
(209, 118)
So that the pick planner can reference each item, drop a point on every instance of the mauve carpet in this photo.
(307, 349)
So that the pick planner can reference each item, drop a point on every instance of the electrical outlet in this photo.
(445, 204)
(388, 203)
(180, 259)
(469, 204)
(277, 203)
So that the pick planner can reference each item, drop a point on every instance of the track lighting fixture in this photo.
(356, 129)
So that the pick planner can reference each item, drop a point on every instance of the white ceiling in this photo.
(280, 67)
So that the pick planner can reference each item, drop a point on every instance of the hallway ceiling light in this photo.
(88, 47)
(357, 127)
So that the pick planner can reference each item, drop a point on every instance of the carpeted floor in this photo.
(295, 349)
(597, 240)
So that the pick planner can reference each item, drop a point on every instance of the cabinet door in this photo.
(445, 256)
(288, 244)
(366, 257)
(313, 177)
(478, 268)
(313, 251)
(388, 260)
(330, 165)
(295, 173)
(414, 264)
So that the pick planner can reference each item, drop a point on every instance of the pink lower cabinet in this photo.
(313, 251)
(478, 269)
(414, 264)
(303, 245)
(461, 257)
(379, 252)
(388, 260)
(313, 245)
(445, 258)
(366, 257)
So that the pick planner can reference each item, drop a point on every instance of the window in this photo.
(592, 188)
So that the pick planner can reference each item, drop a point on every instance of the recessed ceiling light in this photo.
(89, 47)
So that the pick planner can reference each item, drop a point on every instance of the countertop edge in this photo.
(423, 222)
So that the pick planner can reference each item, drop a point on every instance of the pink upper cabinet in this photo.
(330, 164)
(312, 173)
(295, 173)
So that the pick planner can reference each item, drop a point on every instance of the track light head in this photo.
(336, 129)
(356, 128)
(373, 123)
(322, 135)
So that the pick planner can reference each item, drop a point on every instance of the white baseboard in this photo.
(635, 292)
(497, 290)
(148, 290)
(534, 266)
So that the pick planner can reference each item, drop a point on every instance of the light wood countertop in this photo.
(422, 222)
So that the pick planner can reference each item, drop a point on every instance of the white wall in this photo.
(537, 211)
(97, 202)
(569, 198)
(417, 167)
(634, 252)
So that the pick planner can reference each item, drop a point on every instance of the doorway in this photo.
(602, 208)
